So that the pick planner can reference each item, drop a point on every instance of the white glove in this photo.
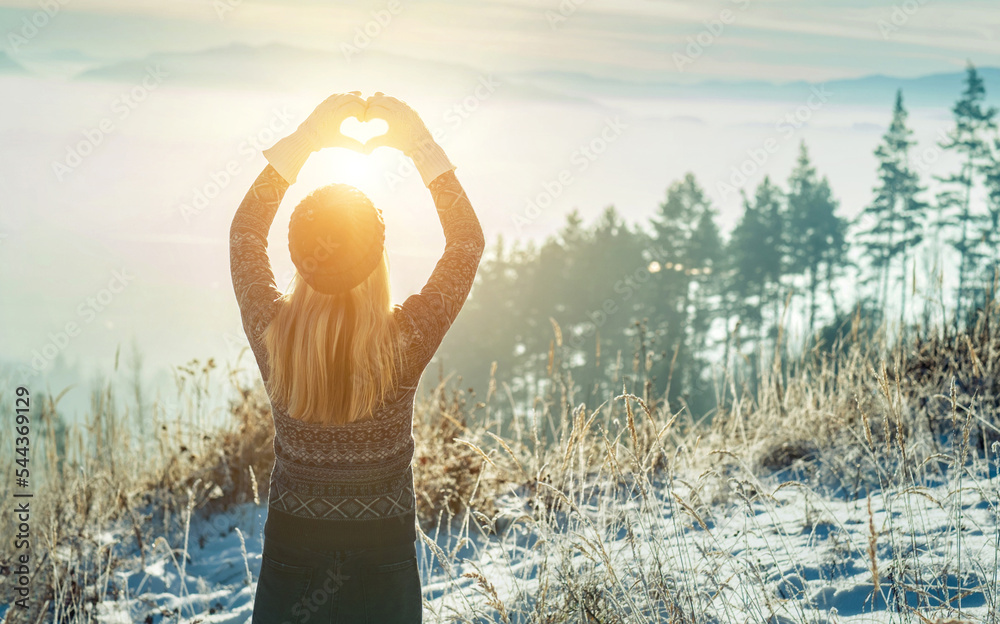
(321, 129)
(408, 134)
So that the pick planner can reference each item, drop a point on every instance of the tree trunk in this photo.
(902, 298)
(964, 241)
(813, 285)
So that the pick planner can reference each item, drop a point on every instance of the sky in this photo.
(777, 40)
(194, 88)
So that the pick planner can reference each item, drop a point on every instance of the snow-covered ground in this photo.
(791, 557)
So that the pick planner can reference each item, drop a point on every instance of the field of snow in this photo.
(792, 556)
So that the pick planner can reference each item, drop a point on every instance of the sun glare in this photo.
(356, 170)
(340, 165)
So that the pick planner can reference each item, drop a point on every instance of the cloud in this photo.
(629, 39)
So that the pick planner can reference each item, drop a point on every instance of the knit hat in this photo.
(336, 237)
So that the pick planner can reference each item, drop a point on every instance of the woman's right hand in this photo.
(407, 131)
(408, 134)
(323, 124)
(319, 130)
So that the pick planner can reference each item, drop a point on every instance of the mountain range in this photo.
(280, 67)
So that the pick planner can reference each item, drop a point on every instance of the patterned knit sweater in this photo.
(351, 486)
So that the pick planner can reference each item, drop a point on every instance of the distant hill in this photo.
(281, 66)
(9, 65)
(276, 64)
(933, 90)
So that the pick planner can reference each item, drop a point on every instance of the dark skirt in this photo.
(316, 586)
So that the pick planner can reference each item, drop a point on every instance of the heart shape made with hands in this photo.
(363, 131)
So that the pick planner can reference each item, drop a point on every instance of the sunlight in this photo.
(341, 165)
(363, 130)
(355, 170)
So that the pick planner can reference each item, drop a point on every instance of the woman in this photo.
(341, 364)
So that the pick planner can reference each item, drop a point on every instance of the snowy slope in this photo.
(793, 557)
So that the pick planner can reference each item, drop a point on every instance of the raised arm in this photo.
(435, 307)
(253, 280)
(438, 303)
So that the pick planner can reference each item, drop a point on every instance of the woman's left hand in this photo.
(323, 124)
(320, 129)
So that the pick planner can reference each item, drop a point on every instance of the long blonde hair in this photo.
(333, 358)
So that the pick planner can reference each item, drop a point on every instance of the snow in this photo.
(794, 556)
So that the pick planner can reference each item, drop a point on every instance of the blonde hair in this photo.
(333, 358)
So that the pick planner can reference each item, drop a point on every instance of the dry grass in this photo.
(586, 486)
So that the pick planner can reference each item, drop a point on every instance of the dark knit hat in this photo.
(336, 237)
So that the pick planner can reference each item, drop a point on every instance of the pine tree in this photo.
(488, 330)
(968, 139)
(895, 216)
(705, 256)
(756, 253)
(991, 234)
(817, 235)
(684, 230)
